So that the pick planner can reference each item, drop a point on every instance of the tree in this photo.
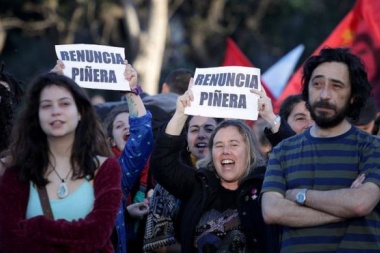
(160, 35)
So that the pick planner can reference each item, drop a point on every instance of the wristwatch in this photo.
(301, 197)
(275, 122)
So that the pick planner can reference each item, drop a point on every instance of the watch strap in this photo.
(275, 121)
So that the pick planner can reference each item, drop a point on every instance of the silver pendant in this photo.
(62, 190)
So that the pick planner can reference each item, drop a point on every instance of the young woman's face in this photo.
(120, 130)
(299, 118)
(230, 156)
(58, 113)
(198, 134)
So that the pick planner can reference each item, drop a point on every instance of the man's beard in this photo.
(322, 119)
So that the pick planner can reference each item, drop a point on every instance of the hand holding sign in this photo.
(264, 104)
(94, 66)
(130, 75)
(224, 92)
(185, 100)
(58, 68)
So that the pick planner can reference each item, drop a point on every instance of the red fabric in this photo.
(235, 57)
(145, 174)
(40, 234)
(116, 152)
(362, 19)
(369, 9)
(341, 36)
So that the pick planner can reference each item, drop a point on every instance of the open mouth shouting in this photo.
(126, 136)
(201, 145)
(227, 162)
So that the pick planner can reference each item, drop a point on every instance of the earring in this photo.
(188, 149)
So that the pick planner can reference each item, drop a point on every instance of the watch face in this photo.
(300, 198)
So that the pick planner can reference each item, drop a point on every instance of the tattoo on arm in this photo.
(132, 107)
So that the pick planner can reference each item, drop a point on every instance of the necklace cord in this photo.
(56, 172)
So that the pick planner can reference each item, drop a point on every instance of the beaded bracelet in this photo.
(137, 90)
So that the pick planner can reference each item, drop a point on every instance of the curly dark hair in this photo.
(360, 86)
(16, 86)
(29, 147)
(9, 102)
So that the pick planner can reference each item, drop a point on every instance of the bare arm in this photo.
(346, 203)
(278, 210)
(266, 109)
(177, 122)
(135, 105)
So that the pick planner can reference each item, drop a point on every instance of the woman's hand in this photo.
(264, 105)
(177, 122)
(185, 100)
(138, 210)
(130, 74)
(58, 68)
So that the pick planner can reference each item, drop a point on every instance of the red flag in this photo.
(369, 10)
(341, 36)
(235, 57)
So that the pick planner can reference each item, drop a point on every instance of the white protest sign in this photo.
(224, 92)
(94, 66)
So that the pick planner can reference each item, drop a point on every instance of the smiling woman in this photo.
(163, 205)
(59, 184)
(220, 208)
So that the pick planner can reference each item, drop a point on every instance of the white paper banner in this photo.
(224, 92)
(94, 66)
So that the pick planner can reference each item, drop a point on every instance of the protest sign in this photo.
(94, 66)
(224, 92)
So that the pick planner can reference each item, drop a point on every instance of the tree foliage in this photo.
(160, 35)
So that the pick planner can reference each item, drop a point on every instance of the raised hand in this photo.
(58, 68)
(185, 100)
(130, 74)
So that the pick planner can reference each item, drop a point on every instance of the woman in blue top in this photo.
(130, 137)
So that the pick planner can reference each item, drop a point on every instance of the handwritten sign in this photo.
(94, 66)
(224, 92)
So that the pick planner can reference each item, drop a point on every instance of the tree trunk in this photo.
(148, 62)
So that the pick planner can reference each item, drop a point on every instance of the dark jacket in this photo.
(197, 189)
(285, 131)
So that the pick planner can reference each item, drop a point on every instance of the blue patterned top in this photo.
(132, 161)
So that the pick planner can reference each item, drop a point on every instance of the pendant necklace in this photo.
(63, 190)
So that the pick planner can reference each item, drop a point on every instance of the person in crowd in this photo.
(258, 130)
(159, 231)
(129, 135)
(97, 99)
(367, 117)
(220, 208)
(59, 184)
(293, 117)
(310, 186)
(11, 93)
(163, 105)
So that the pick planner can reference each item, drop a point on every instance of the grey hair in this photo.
(255, 158)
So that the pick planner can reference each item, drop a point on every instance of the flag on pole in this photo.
(360, 30)
(235, 57)
(341, 36)
(277, 76)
